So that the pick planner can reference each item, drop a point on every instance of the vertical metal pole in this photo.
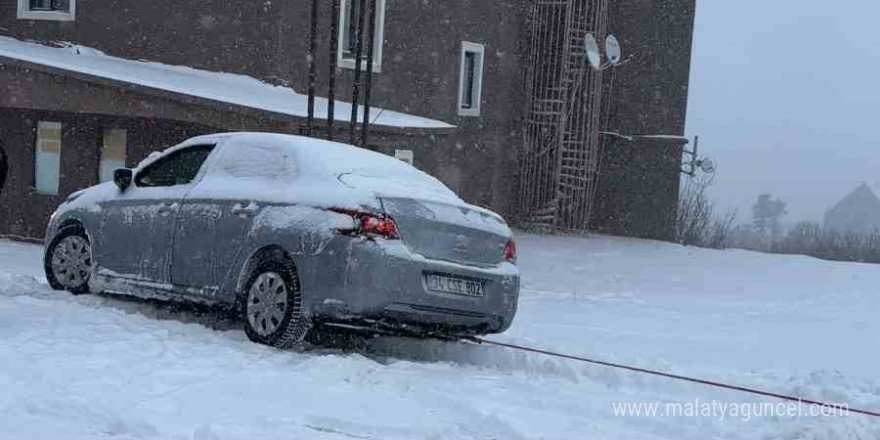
(334, 53)
(359, 51)
(371, 39)
(313, 37)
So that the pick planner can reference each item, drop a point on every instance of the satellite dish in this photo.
(707, 165)
(612, 49)
(592, 48)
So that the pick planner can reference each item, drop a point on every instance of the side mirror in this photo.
(122, 178)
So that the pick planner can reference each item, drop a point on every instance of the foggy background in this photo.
(784, 96)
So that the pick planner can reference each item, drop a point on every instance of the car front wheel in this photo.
(68, 261)
(271, 306)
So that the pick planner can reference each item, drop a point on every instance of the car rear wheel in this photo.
(271, 305)
(68, 261)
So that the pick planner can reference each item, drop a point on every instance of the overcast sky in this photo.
(785, 96)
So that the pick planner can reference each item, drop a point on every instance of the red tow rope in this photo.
(671, 376)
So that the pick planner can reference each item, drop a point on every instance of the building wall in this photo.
(155, 122)
(638, 188)
(268, 40)
(639, 181)
(861, 220)
(25, 212)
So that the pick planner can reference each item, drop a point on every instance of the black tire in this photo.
(295, 324)
(77, 286)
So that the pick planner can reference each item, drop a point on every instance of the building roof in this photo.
(222, 87)
(861, 196)
(859, 211)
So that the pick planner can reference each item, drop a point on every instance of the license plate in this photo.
(456, 286)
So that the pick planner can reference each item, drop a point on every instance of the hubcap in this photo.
(72, 261)
(267, 303)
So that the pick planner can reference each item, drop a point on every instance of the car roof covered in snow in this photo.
(322, 173)
(327, 158)
(321, 157)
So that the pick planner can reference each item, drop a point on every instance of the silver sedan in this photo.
(294, 232)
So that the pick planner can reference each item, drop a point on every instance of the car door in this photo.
(137, 226)
(218, 213)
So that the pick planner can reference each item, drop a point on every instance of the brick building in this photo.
(86, 86)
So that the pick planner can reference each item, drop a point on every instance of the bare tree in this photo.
(697, 223)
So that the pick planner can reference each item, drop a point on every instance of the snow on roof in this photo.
(860, 202)
(633, 137)
(224, 87)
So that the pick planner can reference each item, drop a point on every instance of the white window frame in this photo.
(39, 165)
(480, 51)
(25, 12)
(348, 63)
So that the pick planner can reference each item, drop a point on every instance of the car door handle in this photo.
(245, 211)
(165, 209)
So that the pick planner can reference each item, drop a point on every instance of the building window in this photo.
(348, 21)
(405, 156)
(48, 159)
(112, 153)
(471, 79)
(60, 10)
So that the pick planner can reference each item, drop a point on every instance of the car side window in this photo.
(178, 168)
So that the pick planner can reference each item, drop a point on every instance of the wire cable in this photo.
(673, 376)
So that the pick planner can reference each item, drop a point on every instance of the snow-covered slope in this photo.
(95, 367)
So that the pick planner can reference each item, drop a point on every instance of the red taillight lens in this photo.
(376, 225)
(510, 251)
(370, 224)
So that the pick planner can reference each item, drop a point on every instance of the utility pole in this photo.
(359, 51)
(334, 53)
(369, 81)
(313, 37)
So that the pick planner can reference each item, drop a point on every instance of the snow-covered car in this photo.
(293, 232)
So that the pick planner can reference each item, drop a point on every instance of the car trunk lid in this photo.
(459, 233)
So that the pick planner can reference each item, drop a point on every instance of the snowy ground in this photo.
(99, 367)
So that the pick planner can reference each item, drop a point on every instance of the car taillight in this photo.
(378, 225)
(370, 224)
(510, 251)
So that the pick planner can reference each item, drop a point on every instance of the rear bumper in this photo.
(382, 283)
